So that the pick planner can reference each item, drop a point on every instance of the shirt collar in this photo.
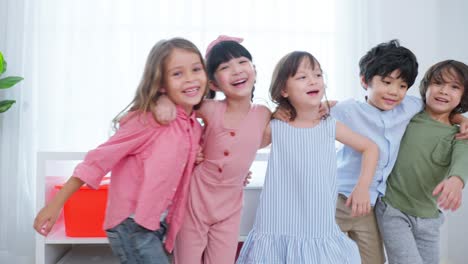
(182, 114)
(367, 106)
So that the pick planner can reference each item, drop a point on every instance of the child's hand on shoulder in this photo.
(359, 200)
(325, 107)
(450, 191)
(165, 111)
(463, 133)
(282, 114)
(285, 116)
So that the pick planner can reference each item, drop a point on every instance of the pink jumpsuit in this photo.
(210, 229)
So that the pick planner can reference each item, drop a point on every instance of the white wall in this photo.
(453, 43)
(434, 30)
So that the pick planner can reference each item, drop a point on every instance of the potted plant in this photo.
(6, 83)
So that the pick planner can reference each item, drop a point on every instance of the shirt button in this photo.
(226, 153)
(232, 133)
(220, 169)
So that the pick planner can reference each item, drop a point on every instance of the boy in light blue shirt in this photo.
(387, 71)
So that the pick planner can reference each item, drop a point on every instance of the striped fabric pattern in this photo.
(295, 221)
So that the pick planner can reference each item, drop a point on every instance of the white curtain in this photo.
(352, 42)
(91, 53)
(82, 60)
(17, 143)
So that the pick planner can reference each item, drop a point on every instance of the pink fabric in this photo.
(222, 38)
(212, 218)
(151, 169)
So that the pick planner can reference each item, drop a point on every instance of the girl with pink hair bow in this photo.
(233, 133)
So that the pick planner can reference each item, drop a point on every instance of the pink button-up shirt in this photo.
(151, 168)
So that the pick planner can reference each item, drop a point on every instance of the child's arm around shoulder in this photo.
(411, 105)
(285, 116)
(266, 140)
(264, 118)
(463, 123)
(359, 198)
(207, 107)
(164, 111)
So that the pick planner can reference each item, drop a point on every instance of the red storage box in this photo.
(84, 211)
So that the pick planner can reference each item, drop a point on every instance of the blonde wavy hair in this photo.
(149, 88)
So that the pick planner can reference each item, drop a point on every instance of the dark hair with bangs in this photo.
(439, 73)
(287, 67)
(387, 57)
(223, 52)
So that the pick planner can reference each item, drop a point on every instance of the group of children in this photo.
(402, 156)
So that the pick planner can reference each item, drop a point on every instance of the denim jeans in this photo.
(134, 244)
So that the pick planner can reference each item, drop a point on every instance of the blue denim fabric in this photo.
(134, 244)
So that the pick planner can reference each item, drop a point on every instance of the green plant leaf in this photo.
(5, 105)
(3, 64)
(8, 82)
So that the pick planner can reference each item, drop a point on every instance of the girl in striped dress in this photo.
(295, 221)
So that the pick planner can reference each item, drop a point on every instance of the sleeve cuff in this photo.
(89, 175)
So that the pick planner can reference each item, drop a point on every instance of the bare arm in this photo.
(359, 198)
(285, 115)
(165, 110)
(282, 114)
(265, 119)
(47, 216)
(206, 107)
(266, 140)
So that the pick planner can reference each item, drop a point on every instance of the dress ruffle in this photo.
(282, 249)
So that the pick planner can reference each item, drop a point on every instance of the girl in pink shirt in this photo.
(151, 164)
(233, 133)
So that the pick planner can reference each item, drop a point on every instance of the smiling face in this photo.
(184, 78)
(306, 87)
(386, 92)
(235, 78)
(444, 94)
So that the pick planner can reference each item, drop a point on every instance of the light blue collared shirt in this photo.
(385, 128)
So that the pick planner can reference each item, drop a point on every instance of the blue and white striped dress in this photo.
(295, 221)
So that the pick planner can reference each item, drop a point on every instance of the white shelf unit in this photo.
(58, 248)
